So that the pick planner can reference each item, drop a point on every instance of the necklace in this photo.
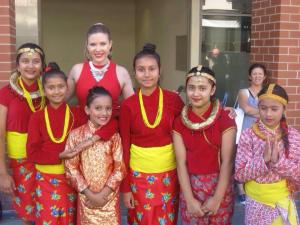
(66, 125)
(13, 82)
(261, 135)
(98, 73)
(197, 126)
(159, 110)
(28, 98)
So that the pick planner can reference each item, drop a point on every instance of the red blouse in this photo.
(133, 129)
(18, 111)
(110, 82)
(203, 146)
(41, 149)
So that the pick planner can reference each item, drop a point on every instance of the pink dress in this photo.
(250, 165)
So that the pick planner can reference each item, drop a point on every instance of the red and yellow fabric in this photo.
(55, 200)
(109, 81)
(23, 171)
(142, 147)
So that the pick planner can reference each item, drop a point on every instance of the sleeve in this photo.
(177, 125)
(34, 146)
(119, 171)
(124, 125)
(226, 123)
(79, 117)
(108, 130)
(178, 105)
(289, 167)
(5, 96)
(248, 165)
(72, 166)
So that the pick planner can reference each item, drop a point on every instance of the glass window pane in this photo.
(226, 50)
(236, 6)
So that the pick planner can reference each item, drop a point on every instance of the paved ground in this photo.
(10, 218)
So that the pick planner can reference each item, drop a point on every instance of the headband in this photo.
(269, 94)
(198, 73)
(30, 51)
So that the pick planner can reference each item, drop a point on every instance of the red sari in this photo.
(203, 163)
(23, 172)
(155, 194)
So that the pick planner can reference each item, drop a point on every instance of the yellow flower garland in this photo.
(66, 125)
(159, 110)
(28, 97)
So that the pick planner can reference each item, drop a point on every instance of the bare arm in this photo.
(7, 184)
(212, 205)
(193, 205)
(125, 82)
(243, 103)
(73, 77)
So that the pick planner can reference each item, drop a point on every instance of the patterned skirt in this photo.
(155, 198)
(55, 200)
(203, 187)
(23, 173)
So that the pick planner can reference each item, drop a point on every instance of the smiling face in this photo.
(147, 72)
(257, 76)
(98, 47)
(100, 110)
(55, 90)
(29, 66)
(270, 111)
(199, 90)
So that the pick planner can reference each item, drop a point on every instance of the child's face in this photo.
(100, 110)
(147, 72)
(199, 90)
(270, 111)
(30, 66)
(55, 90)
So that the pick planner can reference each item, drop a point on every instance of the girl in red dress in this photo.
(150, 190)
(18, 100)
(204, 138)
(47, 133)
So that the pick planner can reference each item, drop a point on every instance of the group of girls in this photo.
(166, 155)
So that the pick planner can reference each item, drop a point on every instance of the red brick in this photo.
(291, 90)
(289, 26)
(295, 18)
(294, 34)
(265, 34)
(294, 82)
(287, 74)
(265, 19)
(6, 57)
(281, 82)
(294, 66)
(288, 58)
(256, 20)
(4, 75)
(290, 9)
(294, 51)
(258, 58)
(270, 10)
(258, 43)
(260, 27)
(268, 58)
(269, 42)
(265, 4)
(4, 10)
(7, 39)
(295, 2)
(269, 26)
(295, 98)
(288, 42)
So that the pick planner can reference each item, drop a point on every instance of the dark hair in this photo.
(280, 91)
(95, 92)
(32, 46)
(261, 66)
(53, 70)
(94, 29)
(207, 70)
(148, 51)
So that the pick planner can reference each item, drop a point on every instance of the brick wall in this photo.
(7, 55)
(275, 41)
(7, 39)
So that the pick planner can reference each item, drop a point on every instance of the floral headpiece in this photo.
(198, 74)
